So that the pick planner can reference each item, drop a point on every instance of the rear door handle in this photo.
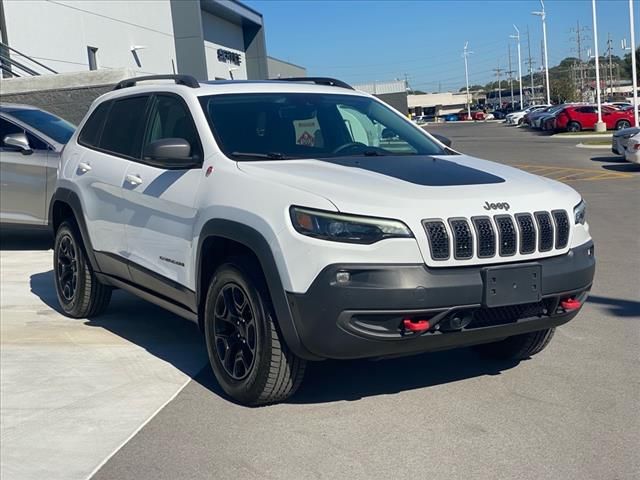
(133, 179)
(84, 167)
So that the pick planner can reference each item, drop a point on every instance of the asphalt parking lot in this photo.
(75, 394)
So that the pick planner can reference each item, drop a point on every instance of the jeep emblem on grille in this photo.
(497, 206)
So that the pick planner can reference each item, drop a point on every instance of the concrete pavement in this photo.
(74, 390)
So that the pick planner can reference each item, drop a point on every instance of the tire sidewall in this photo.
(70, 307)
(249, 388)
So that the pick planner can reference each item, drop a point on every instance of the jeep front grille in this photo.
(561, 220)
(546, 231)
(506, 235)
(500, 235)
(486, 237)
(527, 233)
(462, 239)
(438, 239)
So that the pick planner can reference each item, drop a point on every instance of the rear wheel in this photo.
(518, 347)
(247, 354)
(573, 127)
(80, 293)
(622, 124)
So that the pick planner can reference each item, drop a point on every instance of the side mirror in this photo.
(388, 134)
(442, 139)
(170, 153)
(19, 141)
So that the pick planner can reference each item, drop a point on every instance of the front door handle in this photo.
(84, 167)
(133, 179)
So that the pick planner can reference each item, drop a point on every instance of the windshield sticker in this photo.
(306, 131)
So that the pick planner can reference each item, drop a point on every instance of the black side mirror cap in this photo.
(442, 139)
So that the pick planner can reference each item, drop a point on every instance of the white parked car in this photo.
(632, 152)
(620, 139)
(516, 118)
(303, 220)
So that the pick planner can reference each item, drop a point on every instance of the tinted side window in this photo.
(170, 118)
(92, 129)
(7, 128)
(122, 133)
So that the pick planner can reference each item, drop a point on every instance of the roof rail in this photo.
(331, 82)
(186, 80)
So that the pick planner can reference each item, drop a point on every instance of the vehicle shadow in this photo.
(25, 241)
(180, 343)
(610, 159)
(617, 306)
(626, 167)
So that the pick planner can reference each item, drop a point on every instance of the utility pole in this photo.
(600, 125)
(609, 53)
(465, 54)
(543, 16)
(634, 73)
(498, 72)
(530, 62)
(580, 39)
(510, 72)
(517, 38)
(544, 77)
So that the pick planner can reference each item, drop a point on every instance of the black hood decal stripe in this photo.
(419, 169)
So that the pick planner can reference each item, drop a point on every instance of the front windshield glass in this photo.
(53, 127)
(300, 125)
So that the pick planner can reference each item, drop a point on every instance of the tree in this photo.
(625, 69)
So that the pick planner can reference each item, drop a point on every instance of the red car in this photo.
(584, 117)
(475, 115)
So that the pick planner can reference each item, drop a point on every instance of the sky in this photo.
(362, 41)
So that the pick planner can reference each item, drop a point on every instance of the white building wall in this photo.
(228, 36)
(58, 33)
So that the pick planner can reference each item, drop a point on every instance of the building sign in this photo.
(226, 56)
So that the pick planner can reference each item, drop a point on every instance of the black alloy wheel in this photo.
(67, 268)
(235, 331)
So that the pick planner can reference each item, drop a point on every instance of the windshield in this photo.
(53, 127)
(301, 125)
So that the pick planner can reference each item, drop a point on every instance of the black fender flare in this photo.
(71, 199)
(255, 241)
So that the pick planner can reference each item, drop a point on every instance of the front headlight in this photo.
(338, 227)
(580, 213)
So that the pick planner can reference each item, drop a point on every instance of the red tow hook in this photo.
(416, 325)
(570, 304)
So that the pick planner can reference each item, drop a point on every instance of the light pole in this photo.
(543, 15)
(465, 54)
(634, 73)
(517, 37)
(600, 125)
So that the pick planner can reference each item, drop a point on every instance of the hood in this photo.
(418, 186)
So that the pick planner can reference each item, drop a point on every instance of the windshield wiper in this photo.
(268, 155)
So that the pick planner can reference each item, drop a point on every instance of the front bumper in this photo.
(363, 318)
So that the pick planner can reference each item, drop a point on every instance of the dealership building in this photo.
(209, 39)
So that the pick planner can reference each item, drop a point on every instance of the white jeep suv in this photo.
(302, 220)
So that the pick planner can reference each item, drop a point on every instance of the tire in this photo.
(80, 294)
(518, 347)
(573, 127)
(622, 124)
(270, 372)
(520, 122)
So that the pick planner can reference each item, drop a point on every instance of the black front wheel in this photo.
(247, 354)
(80, 293)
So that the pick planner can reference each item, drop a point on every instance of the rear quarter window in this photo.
(92, 129)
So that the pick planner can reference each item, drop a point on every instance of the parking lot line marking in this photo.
(137, 430)
(570, 174)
